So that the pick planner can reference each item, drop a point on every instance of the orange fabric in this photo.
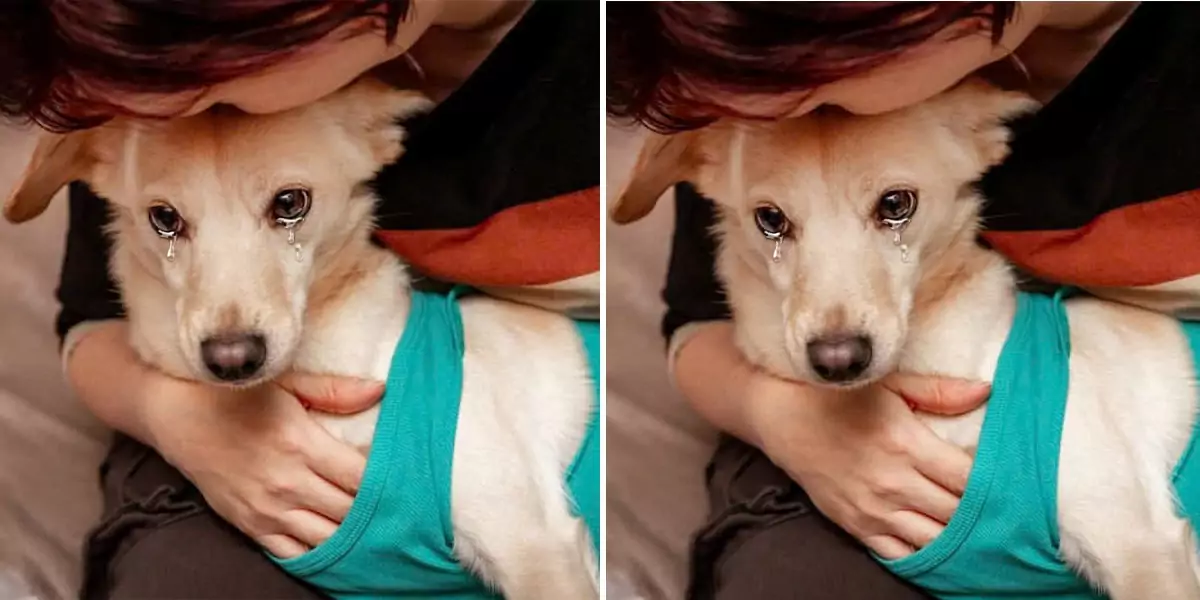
(529, 244)
(1141, 244)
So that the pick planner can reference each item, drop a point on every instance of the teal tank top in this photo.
(397, 541)
(1003, 540)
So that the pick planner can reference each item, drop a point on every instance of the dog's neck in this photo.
(358, 305)
(962, 312)
(342, 272)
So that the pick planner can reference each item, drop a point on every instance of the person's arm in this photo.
(697, 318)
(867, 462)
(714, 376)
(90, 309)
(109, 379)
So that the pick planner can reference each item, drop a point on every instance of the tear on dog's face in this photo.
(201, 213)
(809, 211)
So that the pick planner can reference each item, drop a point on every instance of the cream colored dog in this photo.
(215, 291)
(839, 302)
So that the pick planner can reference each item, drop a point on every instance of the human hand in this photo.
(866, 461)
(257, 456)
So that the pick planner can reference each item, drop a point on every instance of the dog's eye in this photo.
(165, 220)
(771, 221)
(290, 204)
(896, 206)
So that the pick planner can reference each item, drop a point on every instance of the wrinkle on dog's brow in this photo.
(129, 158)
(827, 158)
(163, 148)
(737, 158)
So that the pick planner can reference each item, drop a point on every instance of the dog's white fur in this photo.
(948, 311)
(341, 309)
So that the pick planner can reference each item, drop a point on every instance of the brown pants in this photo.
(766, 540)
(159, 539)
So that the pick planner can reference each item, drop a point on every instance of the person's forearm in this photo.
(717, 379)
(110, 379)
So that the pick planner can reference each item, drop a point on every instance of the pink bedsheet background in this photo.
(657, 446)
(50, 446)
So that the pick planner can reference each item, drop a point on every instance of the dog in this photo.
(242, 249)
(848, 250)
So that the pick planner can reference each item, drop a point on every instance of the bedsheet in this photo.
(657, 447)
(50, 446)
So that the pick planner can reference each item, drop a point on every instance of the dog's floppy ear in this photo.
(376, 110)
(983, 112)
(663, 161)
(57, 160)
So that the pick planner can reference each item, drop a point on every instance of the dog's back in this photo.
(1129, 424)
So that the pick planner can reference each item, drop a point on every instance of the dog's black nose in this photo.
(234, 357)
(841, 357)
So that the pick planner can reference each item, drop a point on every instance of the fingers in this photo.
(326, 499)
(911, 531)
(945, 464)
(282, 546)
(336, 462)
(339, 395)
(934, 501)
(888, 547)
(941, 395)
(308, 527)
(915, 529)
(914, 520)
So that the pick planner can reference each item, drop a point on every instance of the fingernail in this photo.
(366, 383)
(374, 388)
(980, 386)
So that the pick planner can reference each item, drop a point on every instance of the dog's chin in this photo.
(240, 384)
(869, 377)
(269, 373)
(841, 386)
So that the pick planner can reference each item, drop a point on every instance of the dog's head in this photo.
(204, 208)
(833, 305)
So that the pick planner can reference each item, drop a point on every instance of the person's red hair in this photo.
(64, 62)
(670, 63)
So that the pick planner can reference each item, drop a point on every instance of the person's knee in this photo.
(767, 540)
(198, 557)
(806, 557)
